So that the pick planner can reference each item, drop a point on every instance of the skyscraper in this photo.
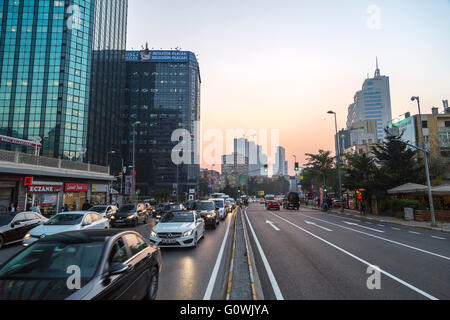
(373, 102)
(46, 55)
(279, 167)
(162, 92)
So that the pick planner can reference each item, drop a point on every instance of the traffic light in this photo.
(297, 167)
(325, 189)
(239, 190)
(266, 168)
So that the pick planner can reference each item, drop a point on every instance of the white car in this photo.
(220, 203)
(178, 229)
(64, 222)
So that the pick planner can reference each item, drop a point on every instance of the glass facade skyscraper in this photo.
(163, 93)
(46, 56)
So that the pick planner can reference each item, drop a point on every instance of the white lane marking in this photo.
(273, 281)
(212, 280)
(358, 225)
(361, 260)
(380, 225)
(381, 238)
(413, 232)
(272, 225)
(315, 224)
(440, 238)
(396, 229)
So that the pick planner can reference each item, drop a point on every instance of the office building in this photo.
(280, 167)
(46, 57)
(162, 92)
(373, 102)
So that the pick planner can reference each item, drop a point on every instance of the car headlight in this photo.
(113, 218)
(209, 216)
(28, 236)
(131, 217)
(153, 234)
(187, 234)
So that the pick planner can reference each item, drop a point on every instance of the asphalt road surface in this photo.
(309, 254)
(187, 274)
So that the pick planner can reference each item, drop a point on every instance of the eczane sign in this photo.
(44, 189)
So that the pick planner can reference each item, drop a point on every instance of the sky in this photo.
(284, 64)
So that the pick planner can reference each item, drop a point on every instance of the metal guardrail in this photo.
(29, 159)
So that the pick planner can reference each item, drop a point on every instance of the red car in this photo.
(273, 205)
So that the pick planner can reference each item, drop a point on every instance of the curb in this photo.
(381, 221)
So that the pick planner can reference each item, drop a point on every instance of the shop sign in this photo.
(76, 187)
(44, 189)
(100, 188)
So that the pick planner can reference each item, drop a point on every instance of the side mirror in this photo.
(118, 268)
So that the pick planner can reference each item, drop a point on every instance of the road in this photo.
(308, 254)
(186, 273)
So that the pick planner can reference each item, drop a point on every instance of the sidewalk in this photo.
(442, 226)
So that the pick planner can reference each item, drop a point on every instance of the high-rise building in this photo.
(373, 102)
(46, 57)
(162, 92)
(280, 163)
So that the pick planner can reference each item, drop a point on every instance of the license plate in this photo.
(168, 241)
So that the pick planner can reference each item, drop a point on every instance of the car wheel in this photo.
(152, 291)
(2, 242)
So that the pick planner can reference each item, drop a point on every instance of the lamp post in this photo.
(427, 169)
(82, 153)
(338, 161)
(133, 187)
(37, 141)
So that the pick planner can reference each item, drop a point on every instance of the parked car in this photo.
(13, 227)
(273, 205)
(104, 210)
(208, 211)
(130, 215)
(178, 229)
(113, 266)
(65, 222)
(220, 203)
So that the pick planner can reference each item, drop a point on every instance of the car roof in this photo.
(75, 212)
(85, 236)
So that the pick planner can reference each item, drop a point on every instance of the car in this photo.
(189, 205)
(220, 203)
(233, 203)
(64, 222)
(273, 205)
(268, 198)
(158, 210)
(178, 229)
(13, 227)
(208, 211)
(292, 201)
(130, 215)
(228, 206)
(112, 265)
(104, 210)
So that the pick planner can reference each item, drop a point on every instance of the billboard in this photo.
(157, 56)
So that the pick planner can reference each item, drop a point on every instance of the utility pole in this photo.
(427, 169)
(338, 160)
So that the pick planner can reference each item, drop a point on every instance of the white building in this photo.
(373, 102)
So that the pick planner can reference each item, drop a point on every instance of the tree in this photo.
(399, 160)
(322, 163)
(438, 170)
(161, 195)
(203, 187)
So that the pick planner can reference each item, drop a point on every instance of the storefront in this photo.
(6, 195)
(99, 194)
(46, 196)
(75, 195)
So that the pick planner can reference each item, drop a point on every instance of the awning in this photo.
(442, 190)
(409, 188)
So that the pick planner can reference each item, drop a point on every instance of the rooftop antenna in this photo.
(377, 71)
(146, 46)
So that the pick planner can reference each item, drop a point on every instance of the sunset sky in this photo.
(284, 64)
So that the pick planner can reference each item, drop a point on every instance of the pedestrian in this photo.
(65, 208)
(36, 208)
(86, 206)
(12, 208)
(329, 203)
(363, 208)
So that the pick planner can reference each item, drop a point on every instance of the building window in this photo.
(425, 124)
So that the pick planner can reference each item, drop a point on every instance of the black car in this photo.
(292, 201)
(208, 211)
(84, 265)
(13, 227)
(129, 215)
(170, 208)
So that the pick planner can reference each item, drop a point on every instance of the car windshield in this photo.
(65, 220)
(270, 198)
(127, 208)
(98, 209)
(219, 203)
(52, 261)
(5, 219)
(175, 208)
(177, 217)
(204, 206)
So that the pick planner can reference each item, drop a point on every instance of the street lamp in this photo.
(427, 169)
(37, 141)
(82, 153)
(133, 189)
(338, 161)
